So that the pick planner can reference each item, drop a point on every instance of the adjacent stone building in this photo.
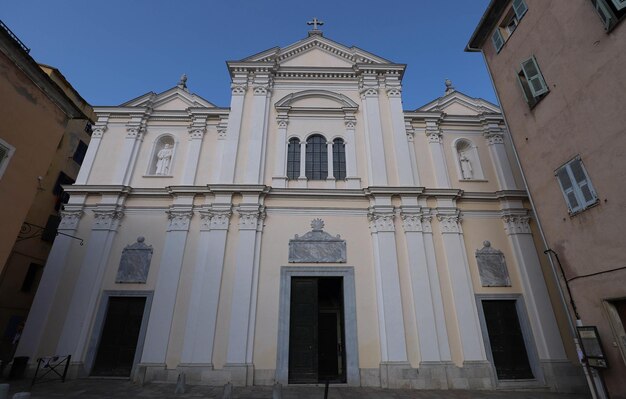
(43, 136)
(312, 231)
(558, 70)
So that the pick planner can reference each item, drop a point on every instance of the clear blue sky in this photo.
(115, 50)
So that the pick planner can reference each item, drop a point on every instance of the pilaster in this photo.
(196, 129)
(96, 138)
(401, 147)
(135, 129)
(435, 144)
(353, 181)
(261, 92)
(280, 164)
(52, 276)
(330, 178)
(160, 323)
(536, 297)
(427, 299)
(390, 318)
(494, 134)
(377, 167)
(410, 136)
(74, 336)
(461, 283)
(244, 294)
(207, 277)
(228, 155)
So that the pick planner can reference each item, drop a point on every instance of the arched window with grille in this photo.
(293, 158)
(316, 158)
(339, 159)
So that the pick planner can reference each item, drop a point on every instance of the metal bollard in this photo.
(326, 390)
(228, 391)
(180, 384)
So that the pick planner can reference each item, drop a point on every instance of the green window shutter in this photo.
(520, 8)
(535, 80)
(568, 189)
(583, 182)
(497, 39)
(523, 84)
(619, 4)
(606, 15)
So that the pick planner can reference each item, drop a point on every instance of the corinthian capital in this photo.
(238, 89)
(516, 224)
(394, 92)
(70, 220)
(381, 221)
(107, 219)
(249, 219)
(434, 135)
(215, 219)
(450, 223)
(282, 121)
(98, 131)
(494, 137)
(179, 219)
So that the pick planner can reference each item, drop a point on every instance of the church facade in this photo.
(313, 231)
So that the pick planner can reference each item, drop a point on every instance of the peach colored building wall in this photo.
(582, 115)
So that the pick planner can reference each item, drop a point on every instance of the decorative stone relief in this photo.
(369, 92)
(98, 131)
(179, 220)
(492, 267)
(238, 89)
(70, 220)
(106, 219)
(282, 121)
(380, 222)
(317, 246)
(426, 224)
(135, 263)
(514, 224)
(394, 92)
(350, 122)
(494, 137)
(450, 223)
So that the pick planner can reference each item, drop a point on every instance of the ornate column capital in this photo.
(222, 128)
(238, 89)
(197, 128)
(516, 224)
(249, 219)
(412, 222)
(381, 221)
(350, 122)
(98, 131)
(134, 131)
(215, 219)
(450, 223)
(369, 92)
(179, 219)
(494, 137)
(107, 219)
(434, 135)
(70, 220)
(394, 92)
(282, 121)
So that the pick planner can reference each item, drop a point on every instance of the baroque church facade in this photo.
(312, 231)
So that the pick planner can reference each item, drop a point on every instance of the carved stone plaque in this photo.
(492, 267)
(135, 263)
(317, 246)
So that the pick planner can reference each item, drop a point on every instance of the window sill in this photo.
(473, 180)
(578, 212)
(158, 176)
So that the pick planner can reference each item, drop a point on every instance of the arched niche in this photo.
(161, 160)
(467, 160)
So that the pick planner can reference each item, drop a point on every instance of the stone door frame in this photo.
(98, 325)
(349, 306)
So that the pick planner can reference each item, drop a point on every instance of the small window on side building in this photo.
(610, 11)
(576, 186)
(531, 80)
(79, 154)
(31, 280)
(6, 152)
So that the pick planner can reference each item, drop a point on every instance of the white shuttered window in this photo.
(534, 77)
(497, 39)
(520, 8)
(576, 186)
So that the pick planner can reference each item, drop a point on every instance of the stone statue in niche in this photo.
(135, 263)
(164, 157)
(466, 166)
(317, 246)
(492, 267)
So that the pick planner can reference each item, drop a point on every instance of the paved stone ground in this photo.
(113, 388)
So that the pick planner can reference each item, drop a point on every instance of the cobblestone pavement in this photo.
(113, 388)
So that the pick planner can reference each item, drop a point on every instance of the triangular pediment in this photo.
(457, 103)
(169, 100)
(305, 51)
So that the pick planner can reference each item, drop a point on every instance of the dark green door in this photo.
(118, 341)
(316, 331)
(506, 340)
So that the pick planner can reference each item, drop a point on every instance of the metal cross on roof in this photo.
(315, 23)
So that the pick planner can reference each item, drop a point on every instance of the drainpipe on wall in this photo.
(591, 377)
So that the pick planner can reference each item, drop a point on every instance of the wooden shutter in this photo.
(520, 8)
(497, 39)
(579, 175)
(606, 15)
(536, 83)
(568, 189)
(619, 4)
